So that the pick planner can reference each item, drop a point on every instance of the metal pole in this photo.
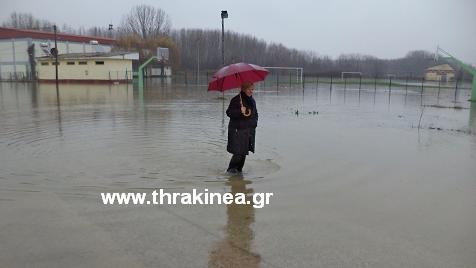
(406, 86)
(456, 89)
(223, 48)
(14, 60)
(56, 57)
(317, 85)
(222, 41)
(390, 85)
(421, 96)
(360, 85)
(302, 71)
(198, 64)
(473, 91)
(439, 89)
(141, 72)
(390, 90)
(422, 83)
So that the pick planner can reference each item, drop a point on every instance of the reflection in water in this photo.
(235, 249)
(223, 118)
(472, 117)
(58, 107)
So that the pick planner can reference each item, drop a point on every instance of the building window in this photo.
(54, 63)
(99, 62)
(44, 63)
(70, 63)
(82, 63)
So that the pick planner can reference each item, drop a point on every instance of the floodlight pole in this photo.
(222, 42)
(224, 15)
(197, 43)
(56, 57)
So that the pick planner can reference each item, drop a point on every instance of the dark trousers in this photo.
(237, 162)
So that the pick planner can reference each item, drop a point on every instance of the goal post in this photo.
(343, 74)
(297, 70)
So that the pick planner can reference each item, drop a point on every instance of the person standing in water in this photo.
(242, 127)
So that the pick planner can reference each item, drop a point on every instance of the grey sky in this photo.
(383, 28)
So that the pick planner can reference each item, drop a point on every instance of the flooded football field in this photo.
(361, 178)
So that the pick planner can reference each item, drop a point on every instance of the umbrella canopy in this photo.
(234, 75)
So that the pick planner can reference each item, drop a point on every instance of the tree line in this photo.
(145, 27)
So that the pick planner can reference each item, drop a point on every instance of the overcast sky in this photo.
(382, 28)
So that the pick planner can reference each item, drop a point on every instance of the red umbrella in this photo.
(234, 75)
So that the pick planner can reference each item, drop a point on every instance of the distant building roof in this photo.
(441, 67)
(96, 55)
(8, 33)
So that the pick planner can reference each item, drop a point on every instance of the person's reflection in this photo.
(235, 249)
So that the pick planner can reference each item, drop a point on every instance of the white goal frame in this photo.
(299, 71)
(343, 73)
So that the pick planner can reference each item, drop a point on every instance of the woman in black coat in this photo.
(241, 129)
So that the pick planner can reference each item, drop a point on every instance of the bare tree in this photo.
(27, 21)
(146, 22)
(146, 27)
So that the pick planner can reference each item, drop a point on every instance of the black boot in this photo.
(236, 163)
(241, 164)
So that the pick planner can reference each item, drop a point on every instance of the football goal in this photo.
(350, 74)
(294, 73)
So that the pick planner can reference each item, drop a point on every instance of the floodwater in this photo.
(383, 178)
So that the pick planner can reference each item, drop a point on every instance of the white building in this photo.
(442, 72)
(109, 67)
(17, 63)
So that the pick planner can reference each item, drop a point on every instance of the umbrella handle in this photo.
(248, 112)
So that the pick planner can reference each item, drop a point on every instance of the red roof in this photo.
(8, 33)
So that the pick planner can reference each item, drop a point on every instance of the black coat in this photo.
(241, 129)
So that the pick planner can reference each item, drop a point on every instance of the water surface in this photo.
(361, 178)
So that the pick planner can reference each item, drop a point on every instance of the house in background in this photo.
(442, 72)
(112, 67)
(19, 48)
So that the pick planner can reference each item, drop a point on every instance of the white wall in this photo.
(113, 69)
